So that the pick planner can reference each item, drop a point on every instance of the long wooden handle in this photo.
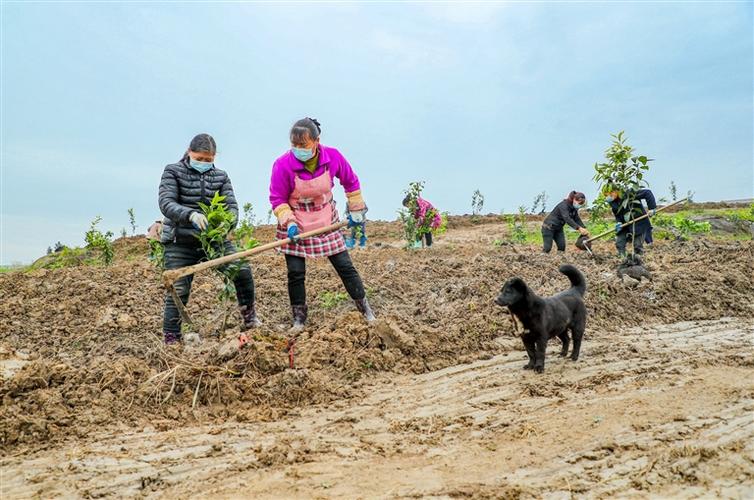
(611, 231)
(170, 277)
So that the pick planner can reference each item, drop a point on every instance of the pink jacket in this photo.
(424, 207)
(285, 169)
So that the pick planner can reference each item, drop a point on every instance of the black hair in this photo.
(575, 195)
(203, 143)
(303, 128)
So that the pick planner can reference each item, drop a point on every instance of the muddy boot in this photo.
(363, 306)
(299, 317)
(249, 315)
(171, 338)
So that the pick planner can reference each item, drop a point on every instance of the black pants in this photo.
(180, 255)
(558, 236)
(343, 266)
(621, 241)
(427, 238)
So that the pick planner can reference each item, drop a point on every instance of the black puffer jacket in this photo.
(181, 190)
(625, 214)
(563, 213)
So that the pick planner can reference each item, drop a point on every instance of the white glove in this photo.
(198, 220)
(357, 216)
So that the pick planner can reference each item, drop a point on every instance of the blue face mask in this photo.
(201, 166)
(302, 154)
(609, 198)
(578, 205)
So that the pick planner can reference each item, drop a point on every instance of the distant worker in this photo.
(636, 232)
(428, 219)
(565, 212)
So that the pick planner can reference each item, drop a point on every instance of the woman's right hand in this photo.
(584, 231)
(293, 232)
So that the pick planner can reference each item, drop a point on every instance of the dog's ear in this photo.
(518, 284)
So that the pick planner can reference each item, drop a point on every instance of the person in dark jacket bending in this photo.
(184, 185)
(565, 212)
(638, 231)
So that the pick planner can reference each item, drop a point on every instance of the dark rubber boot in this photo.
(363, 306)
(249, 315)
(299, 317)
(171, 338)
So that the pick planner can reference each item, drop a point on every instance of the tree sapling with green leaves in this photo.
(623, 172)
(96, 240)
(477, 204)
(132, 221)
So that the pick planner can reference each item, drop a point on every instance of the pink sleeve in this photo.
(437, 221)
(422, 205)
(346, 175)
(280, 185)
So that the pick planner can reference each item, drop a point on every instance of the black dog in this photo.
(545, 318)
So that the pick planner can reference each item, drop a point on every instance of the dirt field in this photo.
(431, 402)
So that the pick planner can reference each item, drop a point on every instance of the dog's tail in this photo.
(577, 279)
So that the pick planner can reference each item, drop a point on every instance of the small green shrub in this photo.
(517, 231)
(244, 233)
(96, 240)
(157, 253)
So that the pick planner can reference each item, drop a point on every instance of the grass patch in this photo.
(11, 269)
(330, 300)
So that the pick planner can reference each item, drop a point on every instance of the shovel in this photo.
(587, 243)
(171, 276)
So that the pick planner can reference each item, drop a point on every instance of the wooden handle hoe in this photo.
(171, 276)
(646, 215)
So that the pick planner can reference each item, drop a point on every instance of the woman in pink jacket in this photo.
(424, 208)
(302, 200)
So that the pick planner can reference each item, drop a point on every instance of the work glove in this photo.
(583, 231)
(198, 220)
(618, 227)
(293, 232)
(356, 217)
(652, 212)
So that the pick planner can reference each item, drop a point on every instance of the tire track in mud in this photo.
(664, 410)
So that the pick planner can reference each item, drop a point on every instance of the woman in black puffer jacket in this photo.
(565, 212)
(184, 185)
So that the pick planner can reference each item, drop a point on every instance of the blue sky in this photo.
(512, 99)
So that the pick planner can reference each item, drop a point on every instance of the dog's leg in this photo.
(539, 354)
(563, 336)
(528, 339)
(578, 333)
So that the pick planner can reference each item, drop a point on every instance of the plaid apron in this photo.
(313, 207)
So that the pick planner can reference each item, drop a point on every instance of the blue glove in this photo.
(618, 227)
(293, 232)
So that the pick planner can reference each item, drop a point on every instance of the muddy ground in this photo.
(432, 401)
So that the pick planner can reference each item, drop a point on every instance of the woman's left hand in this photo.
(356, 217)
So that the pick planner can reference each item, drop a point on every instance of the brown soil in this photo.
(430, 401)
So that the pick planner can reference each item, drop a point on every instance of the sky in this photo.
(509, 98)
